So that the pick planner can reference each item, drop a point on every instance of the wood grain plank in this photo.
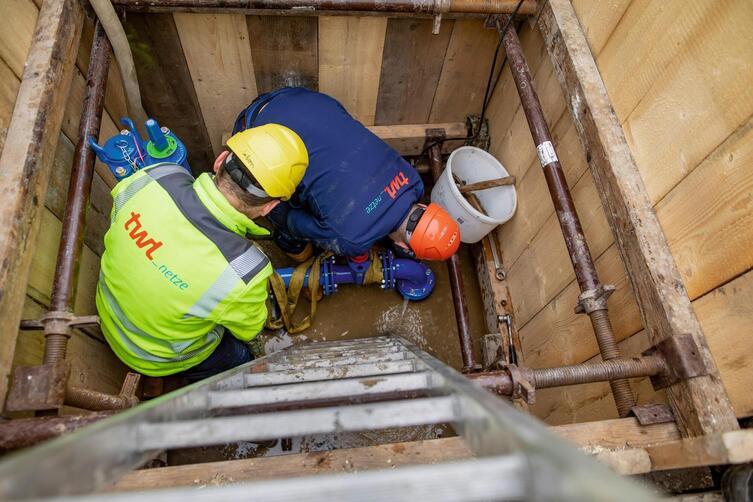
(350, 60)
(409, 139)
(17, 32)
(557, 335)
(411, 67)
(702, 95)
(27, 157)
(460, 91)
(665, 306)
(285, 51)
(286, 466)
(708, 218)
(617, 433)
(8, 89)
(599, 20)
(167, 90)
(219, 57)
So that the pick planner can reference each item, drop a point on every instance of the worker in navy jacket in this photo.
(356, 190)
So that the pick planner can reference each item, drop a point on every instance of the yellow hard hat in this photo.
(274, 155)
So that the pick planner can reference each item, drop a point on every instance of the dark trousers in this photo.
(230, 353)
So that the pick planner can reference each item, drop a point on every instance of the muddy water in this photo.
(360, 312)
(364, 311)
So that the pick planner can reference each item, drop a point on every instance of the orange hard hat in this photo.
(432, 233)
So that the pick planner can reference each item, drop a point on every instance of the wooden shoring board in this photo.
(285, 51)
(350, 60)
(731, 447)
(218, 54)
(411, 68)
(167, 90)
(700, 404)
(409, 139)
(346, 460)
(28, 156)
(461, 86)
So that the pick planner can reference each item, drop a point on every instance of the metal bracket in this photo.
(594, 299)
(521, 387)
(71, 320)
(38, 387)
(649, 414)
(683, 358)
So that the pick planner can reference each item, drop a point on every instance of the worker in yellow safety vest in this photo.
(181, 288)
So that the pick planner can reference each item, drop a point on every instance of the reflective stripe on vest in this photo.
(210, 338)
(178, 183)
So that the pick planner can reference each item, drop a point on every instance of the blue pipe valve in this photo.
(412, 279)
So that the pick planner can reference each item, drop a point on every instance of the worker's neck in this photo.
(399, 234)
(238, 205)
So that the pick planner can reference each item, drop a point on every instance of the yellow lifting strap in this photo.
(288, 300)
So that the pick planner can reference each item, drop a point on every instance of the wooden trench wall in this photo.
(93, 364)
(678, 74)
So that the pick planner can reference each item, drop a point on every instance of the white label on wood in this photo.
(547, 155)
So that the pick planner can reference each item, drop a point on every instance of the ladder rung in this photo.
(360, 342)
(382, 415)
(318, 374)
(339, 354)
(323, 390)
(344, 361)
(490, 478)
(388, 347)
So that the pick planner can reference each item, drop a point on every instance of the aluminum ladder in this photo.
(319, 388)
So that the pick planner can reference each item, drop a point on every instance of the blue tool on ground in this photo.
(127, 152)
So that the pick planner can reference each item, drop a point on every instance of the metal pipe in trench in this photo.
(593, 299)
(433, 7)
(501, 382)
(456, 281)
(57, 330)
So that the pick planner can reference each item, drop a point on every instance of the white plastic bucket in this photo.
(471, 165)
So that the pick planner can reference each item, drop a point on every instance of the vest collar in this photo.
(221, 209)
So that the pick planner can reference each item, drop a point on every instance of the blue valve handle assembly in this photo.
(127, 152)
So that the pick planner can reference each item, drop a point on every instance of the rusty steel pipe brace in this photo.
(593, 298)
(514, 381)
(453, 268)
(57, 328)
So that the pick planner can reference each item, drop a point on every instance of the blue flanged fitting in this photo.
(327, 278)
(412, 279)
(388, 276)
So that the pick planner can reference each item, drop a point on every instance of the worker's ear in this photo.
(266, 208)
(219, 160)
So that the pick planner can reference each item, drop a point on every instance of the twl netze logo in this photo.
(397, 182)
(140, 238)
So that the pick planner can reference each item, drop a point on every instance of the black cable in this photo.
(489, 87)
